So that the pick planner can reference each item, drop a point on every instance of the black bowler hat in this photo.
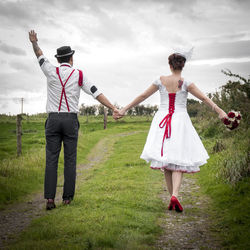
(64, 51)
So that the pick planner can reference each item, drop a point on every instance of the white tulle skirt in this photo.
(183, 151)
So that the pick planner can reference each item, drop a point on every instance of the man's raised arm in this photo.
(33, 39)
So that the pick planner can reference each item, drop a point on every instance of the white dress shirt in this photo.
(72, 88)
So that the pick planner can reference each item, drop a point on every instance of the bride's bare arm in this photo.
(150, 91)
(194, 90)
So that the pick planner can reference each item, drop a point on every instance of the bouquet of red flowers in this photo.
(233, 120)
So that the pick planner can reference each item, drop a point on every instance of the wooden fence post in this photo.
(19, 134)
(105, 118)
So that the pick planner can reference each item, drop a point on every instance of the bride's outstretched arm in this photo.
(194, 90)
(147, 93)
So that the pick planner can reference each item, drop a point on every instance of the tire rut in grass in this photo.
(16, 217)
(191, 229)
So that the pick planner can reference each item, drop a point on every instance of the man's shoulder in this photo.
(77, 69)
(45, 65)
(43, 61)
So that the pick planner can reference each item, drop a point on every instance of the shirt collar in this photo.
(65, 65)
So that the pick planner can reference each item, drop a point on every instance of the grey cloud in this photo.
(210, 77)
(216, 50)
(3, 61)
(238, 68)
(16, 11)
(88, 6)
(26, 82)
(29, 10)
(107, 28)
(175, 7)
(25, 13)
(112, 29)
(8, 49)
(81, 49)
(69, 6)
(183, 7)
(33, 12)
(244, 4)
(230, 37)
(20, 66)
(3, 105)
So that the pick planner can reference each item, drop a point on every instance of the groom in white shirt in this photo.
(64, 84)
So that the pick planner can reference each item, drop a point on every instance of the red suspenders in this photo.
(64, 84)
(63, 89)
(80, 78)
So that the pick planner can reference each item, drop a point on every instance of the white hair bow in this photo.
(184, 51)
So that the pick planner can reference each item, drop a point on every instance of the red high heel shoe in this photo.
(170, 206)
(175, 205)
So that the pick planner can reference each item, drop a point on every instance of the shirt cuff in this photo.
(96, 94)
(40, 57)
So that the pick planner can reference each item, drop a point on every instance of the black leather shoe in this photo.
(66, 202)
(50, 204)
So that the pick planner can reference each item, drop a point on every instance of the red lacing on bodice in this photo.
(166, 121)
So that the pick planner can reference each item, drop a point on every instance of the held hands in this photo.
(117, 114)
(33, 36)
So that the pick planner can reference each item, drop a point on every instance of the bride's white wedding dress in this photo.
(172, 141)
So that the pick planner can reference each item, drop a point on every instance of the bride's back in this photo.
(171, 82)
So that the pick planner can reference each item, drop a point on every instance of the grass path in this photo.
(191, 229)
(16, 217)
(120, 204)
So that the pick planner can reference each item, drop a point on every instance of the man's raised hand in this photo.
(33, 39)
(33, 36)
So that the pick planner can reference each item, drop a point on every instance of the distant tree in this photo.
(140, 110)
(235, 94)
(155, 108)
(131, 112)
(110, 112)
(100, 109)
(82, 109)
(193, 107)
(88, 110)
(93, 110)
(148, 110)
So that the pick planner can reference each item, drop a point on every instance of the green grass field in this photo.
(28, 170)
(117, 204)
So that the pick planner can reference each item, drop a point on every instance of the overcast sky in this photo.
(122, 46)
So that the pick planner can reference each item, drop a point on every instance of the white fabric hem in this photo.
(160, 164)
(175, 165)
(177, 169)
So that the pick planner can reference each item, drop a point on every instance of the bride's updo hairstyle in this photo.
(176, 61)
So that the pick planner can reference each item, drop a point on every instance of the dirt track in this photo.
(15, 218)
(188, 230)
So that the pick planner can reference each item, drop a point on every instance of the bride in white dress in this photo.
(173, 144)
